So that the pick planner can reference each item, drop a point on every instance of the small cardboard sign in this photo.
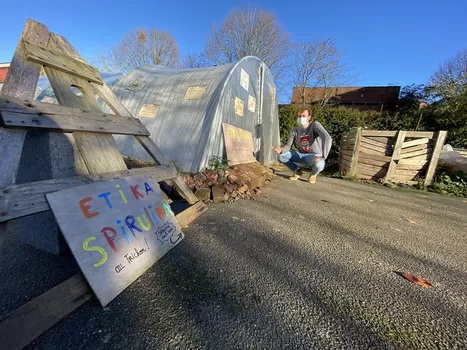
(238, 145)
(244, 79)
(116, 230)
(239, 105)
(148, 111)
(251, 103)
(194, 92)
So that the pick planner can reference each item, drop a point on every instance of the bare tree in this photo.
(318, 63)
(451, 78)
(249, 31)
(141, 47)
(196, 60)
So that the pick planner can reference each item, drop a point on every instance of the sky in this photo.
(386, 42)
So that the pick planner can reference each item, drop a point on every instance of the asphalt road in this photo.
(303, 267)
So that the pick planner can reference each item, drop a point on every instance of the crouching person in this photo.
(313, 143)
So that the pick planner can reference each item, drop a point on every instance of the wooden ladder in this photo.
(78, 113)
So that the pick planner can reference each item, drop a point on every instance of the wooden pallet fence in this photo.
(395, 156)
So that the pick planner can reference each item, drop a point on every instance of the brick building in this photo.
(379, 98)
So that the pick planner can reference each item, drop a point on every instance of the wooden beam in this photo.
(417, 142)
(416, 148)
(25, 199)
(18, 114)
(33, 318)
(421, 152)
(395, 156)
(356, 150)
(384, 141)
(435, 157)
(371, 145)
(375, 143)
(374, 156)
(384, 133)
(21, 80)
(190, 214)
(57, 60)
(28, 322)
(369, 161)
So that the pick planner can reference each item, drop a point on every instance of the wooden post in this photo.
(395, 155)
(356, 149)
(434, 158)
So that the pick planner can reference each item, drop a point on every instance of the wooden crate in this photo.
(395, 156)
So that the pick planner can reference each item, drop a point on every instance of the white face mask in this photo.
(302, 121)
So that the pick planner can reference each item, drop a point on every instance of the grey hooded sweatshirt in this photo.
(313, 139)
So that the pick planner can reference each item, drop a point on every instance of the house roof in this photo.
(348, 94)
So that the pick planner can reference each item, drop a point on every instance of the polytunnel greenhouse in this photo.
(184, 109)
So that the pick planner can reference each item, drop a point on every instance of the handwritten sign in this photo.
(244, 79)
(239, 106)
(148, 111)
(116, 230)
(194, 92)
(251, 103)
(238, 145)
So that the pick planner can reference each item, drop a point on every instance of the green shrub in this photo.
(453, 184)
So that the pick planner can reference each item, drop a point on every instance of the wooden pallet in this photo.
(77, 113)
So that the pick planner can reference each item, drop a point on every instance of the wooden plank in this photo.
(379, 133)
(368, 161)
(417, 142)
(371, 145)
(29, 198)
(416, 148)
(389, 133)
(375, 143)
(423, 152)
(57, 60)
(148, 144)
(395, 155)
(371, 151)
(22, 77)
(412, 161)
(54, 117)
(189, 215)
(412, 167)
(383, 140)
(376, 172)
(99, 151)
(346, 152)
(150, 147)
(435, 157)
(343, 156)
(28, 322)
(356, 150)
(375, 169)
(20, 82)
(374, 156)
(423, 134)
(345, 163)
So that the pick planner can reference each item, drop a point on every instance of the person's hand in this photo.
(277, 149)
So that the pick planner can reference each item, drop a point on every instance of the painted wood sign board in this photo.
(116, 230)
(238, 145)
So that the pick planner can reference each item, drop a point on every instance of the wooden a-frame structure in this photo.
(78, 113)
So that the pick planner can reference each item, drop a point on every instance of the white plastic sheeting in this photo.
(184, 110)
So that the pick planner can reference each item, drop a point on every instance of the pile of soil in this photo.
(240, 182)
(243, 181)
